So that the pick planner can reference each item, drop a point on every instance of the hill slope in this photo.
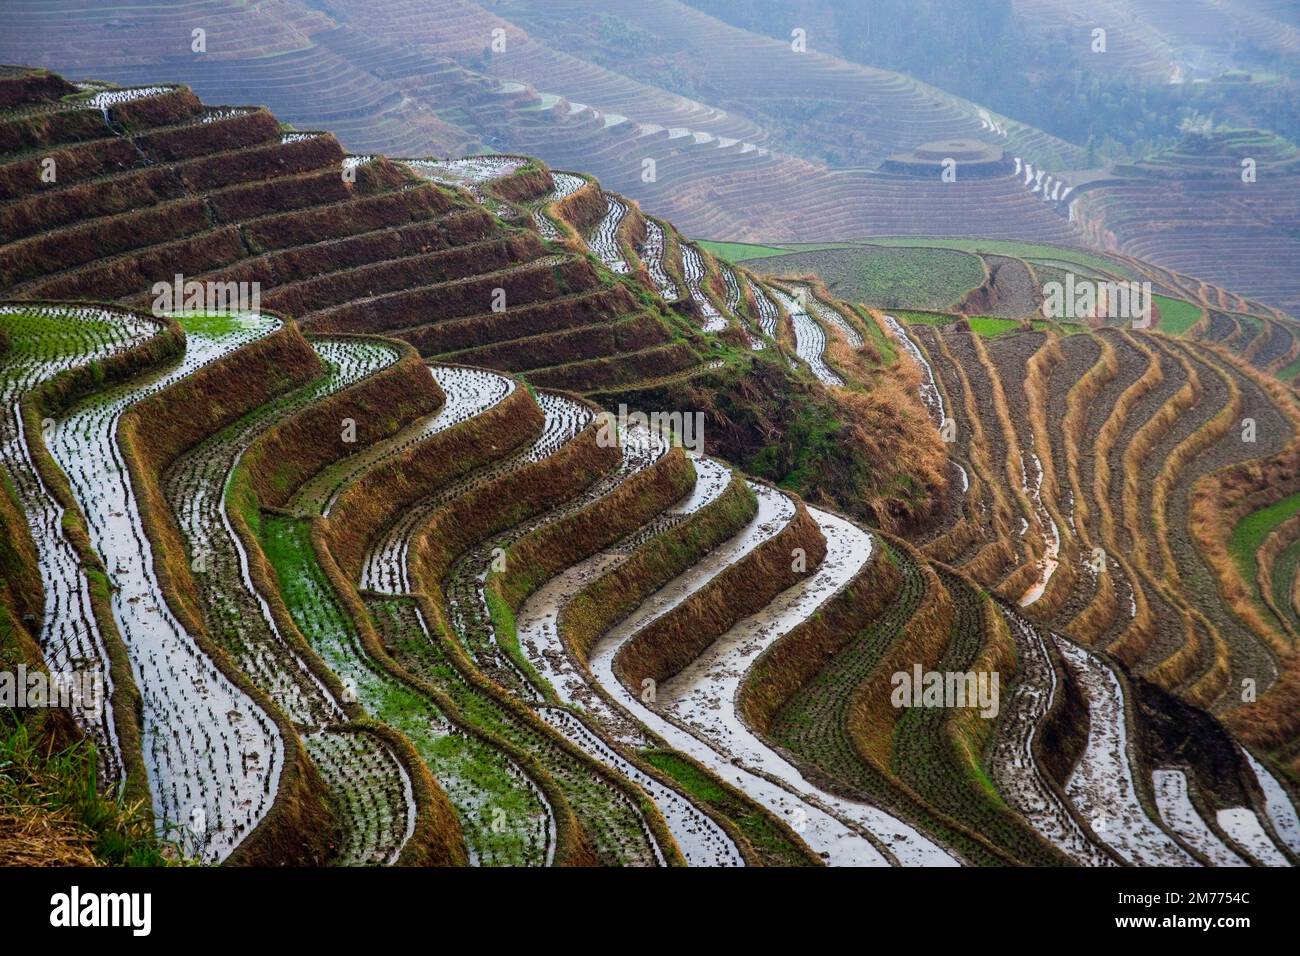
(385, 585)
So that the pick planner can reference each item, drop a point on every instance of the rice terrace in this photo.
(686, 433)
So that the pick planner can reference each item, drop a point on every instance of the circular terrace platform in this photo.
(973, 158)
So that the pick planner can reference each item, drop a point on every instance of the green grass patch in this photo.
(991, 327)
(507, 631)
(884, 344)
(46, 326)
(888, 277)
(1060, 328)
(1177, 315)
(766, 837)
(213, 324)
(62, 786)
(478, 777)
(1020, 250)
(1253, 529)
(1290, 372)
(740, 251)
(812, 433)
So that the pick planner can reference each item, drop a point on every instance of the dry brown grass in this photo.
(1198, 328)
(1273, 721)
(582, 209)
(1222, 499)
(784, 327)
(293, 450)
(887, 420)
(892, 431)
(966, 530)
(854, 365)
(1278, 540)
(34, 836)
(963, 533)
(1139, 632)
(1261, 338)
(1139, 449)
(612, 372)
(539, 555)
(1093, 621)
(640, 331)
(1013, 587)
(531, 282)
(369, 504)
(1292, 353)
(872, 717)
(1205, 436)
(1193, 654)
(671, 642)
(506, 501)
(1037, 385)
(1135, 457)
(1203, 650)
(795, 659)
(988, 567)
(604, 602)
(1219, 502)
(21, 587)
(152, 434)
(631, 233)
(522, 185)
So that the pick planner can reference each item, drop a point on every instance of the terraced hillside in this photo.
(1001, 285)
(409, 79)
(1192, 402)
(1119, 487)
(735, 135)
(375, 572)
(1166, 41)
(1127, 488)
(481, 262)
(1192, 208)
